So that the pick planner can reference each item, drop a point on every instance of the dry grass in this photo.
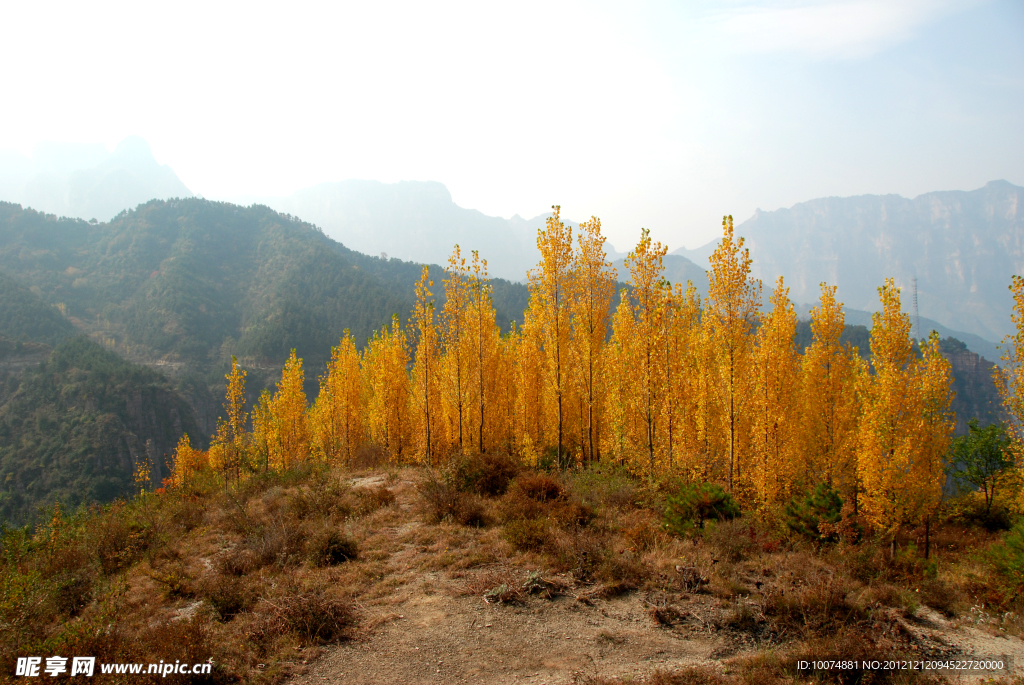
(264, 571)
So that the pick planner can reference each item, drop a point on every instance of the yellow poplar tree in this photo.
(289, 410)
(455, 363)
(483, 338)
(336, 414)
(594, 287)
(774, 409)
(831, 410)
(384, 367)
(733, 300)
(228, 446)
(550, 289)
(265, 431)
(935, 376)
(187, 462)
(1010, 378)
(905, 422)
(685, 393)
(425, 367)
(640, 335)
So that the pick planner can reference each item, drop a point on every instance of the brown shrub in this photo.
(472, 512)
(117, 541)
(734, 540)
(370, 500)
(488, 473)
(644, 534)
(526, 534)
(515, 505)
(626, 569)
(311, 613)
(571, 514)
(279, 542)
(329, 547)
(813, 604)
(944, 597)
(74, 591)
(539, 487)
(229, 596)
(323, 498)
(578, 550)
(441, 499)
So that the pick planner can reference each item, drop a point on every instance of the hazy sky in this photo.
(665, 115)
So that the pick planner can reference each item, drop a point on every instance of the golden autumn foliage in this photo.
(1010, 378)
(187, 462)
(337, 415)
(228, 451)
(733, 301)
(426, 398)
(905, 427)
(700, 391)
(831, 410)
(386, 381)
(590, 302)
(549, 313)
(775, 419)
(639, 327)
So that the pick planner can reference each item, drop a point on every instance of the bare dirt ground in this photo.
(437, 626)
(442, 638)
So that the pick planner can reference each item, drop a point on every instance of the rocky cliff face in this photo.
(976, 395)
(963, 248)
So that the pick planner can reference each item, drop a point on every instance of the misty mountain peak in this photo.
(87, 181)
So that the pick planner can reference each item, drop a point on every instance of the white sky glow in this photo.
(664, 115)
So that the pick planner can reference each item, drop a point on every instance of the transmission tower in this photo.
(917, 314)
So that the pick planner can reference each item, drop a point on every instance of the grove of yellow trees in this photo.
(667, 385)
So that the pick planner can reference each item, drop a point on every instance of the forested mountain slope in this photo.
(74, 428)
(25, 317)
(190, 282)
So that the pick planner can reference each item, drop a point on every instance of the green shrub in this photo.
(694, 504)
(821, 505)
(1007, 557)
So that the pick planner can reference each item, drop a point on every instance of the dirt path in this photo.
(451, 639)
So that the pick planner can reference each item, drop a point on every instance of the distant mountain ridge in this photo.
(86, 181)
(962, 246)
(417, 221)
